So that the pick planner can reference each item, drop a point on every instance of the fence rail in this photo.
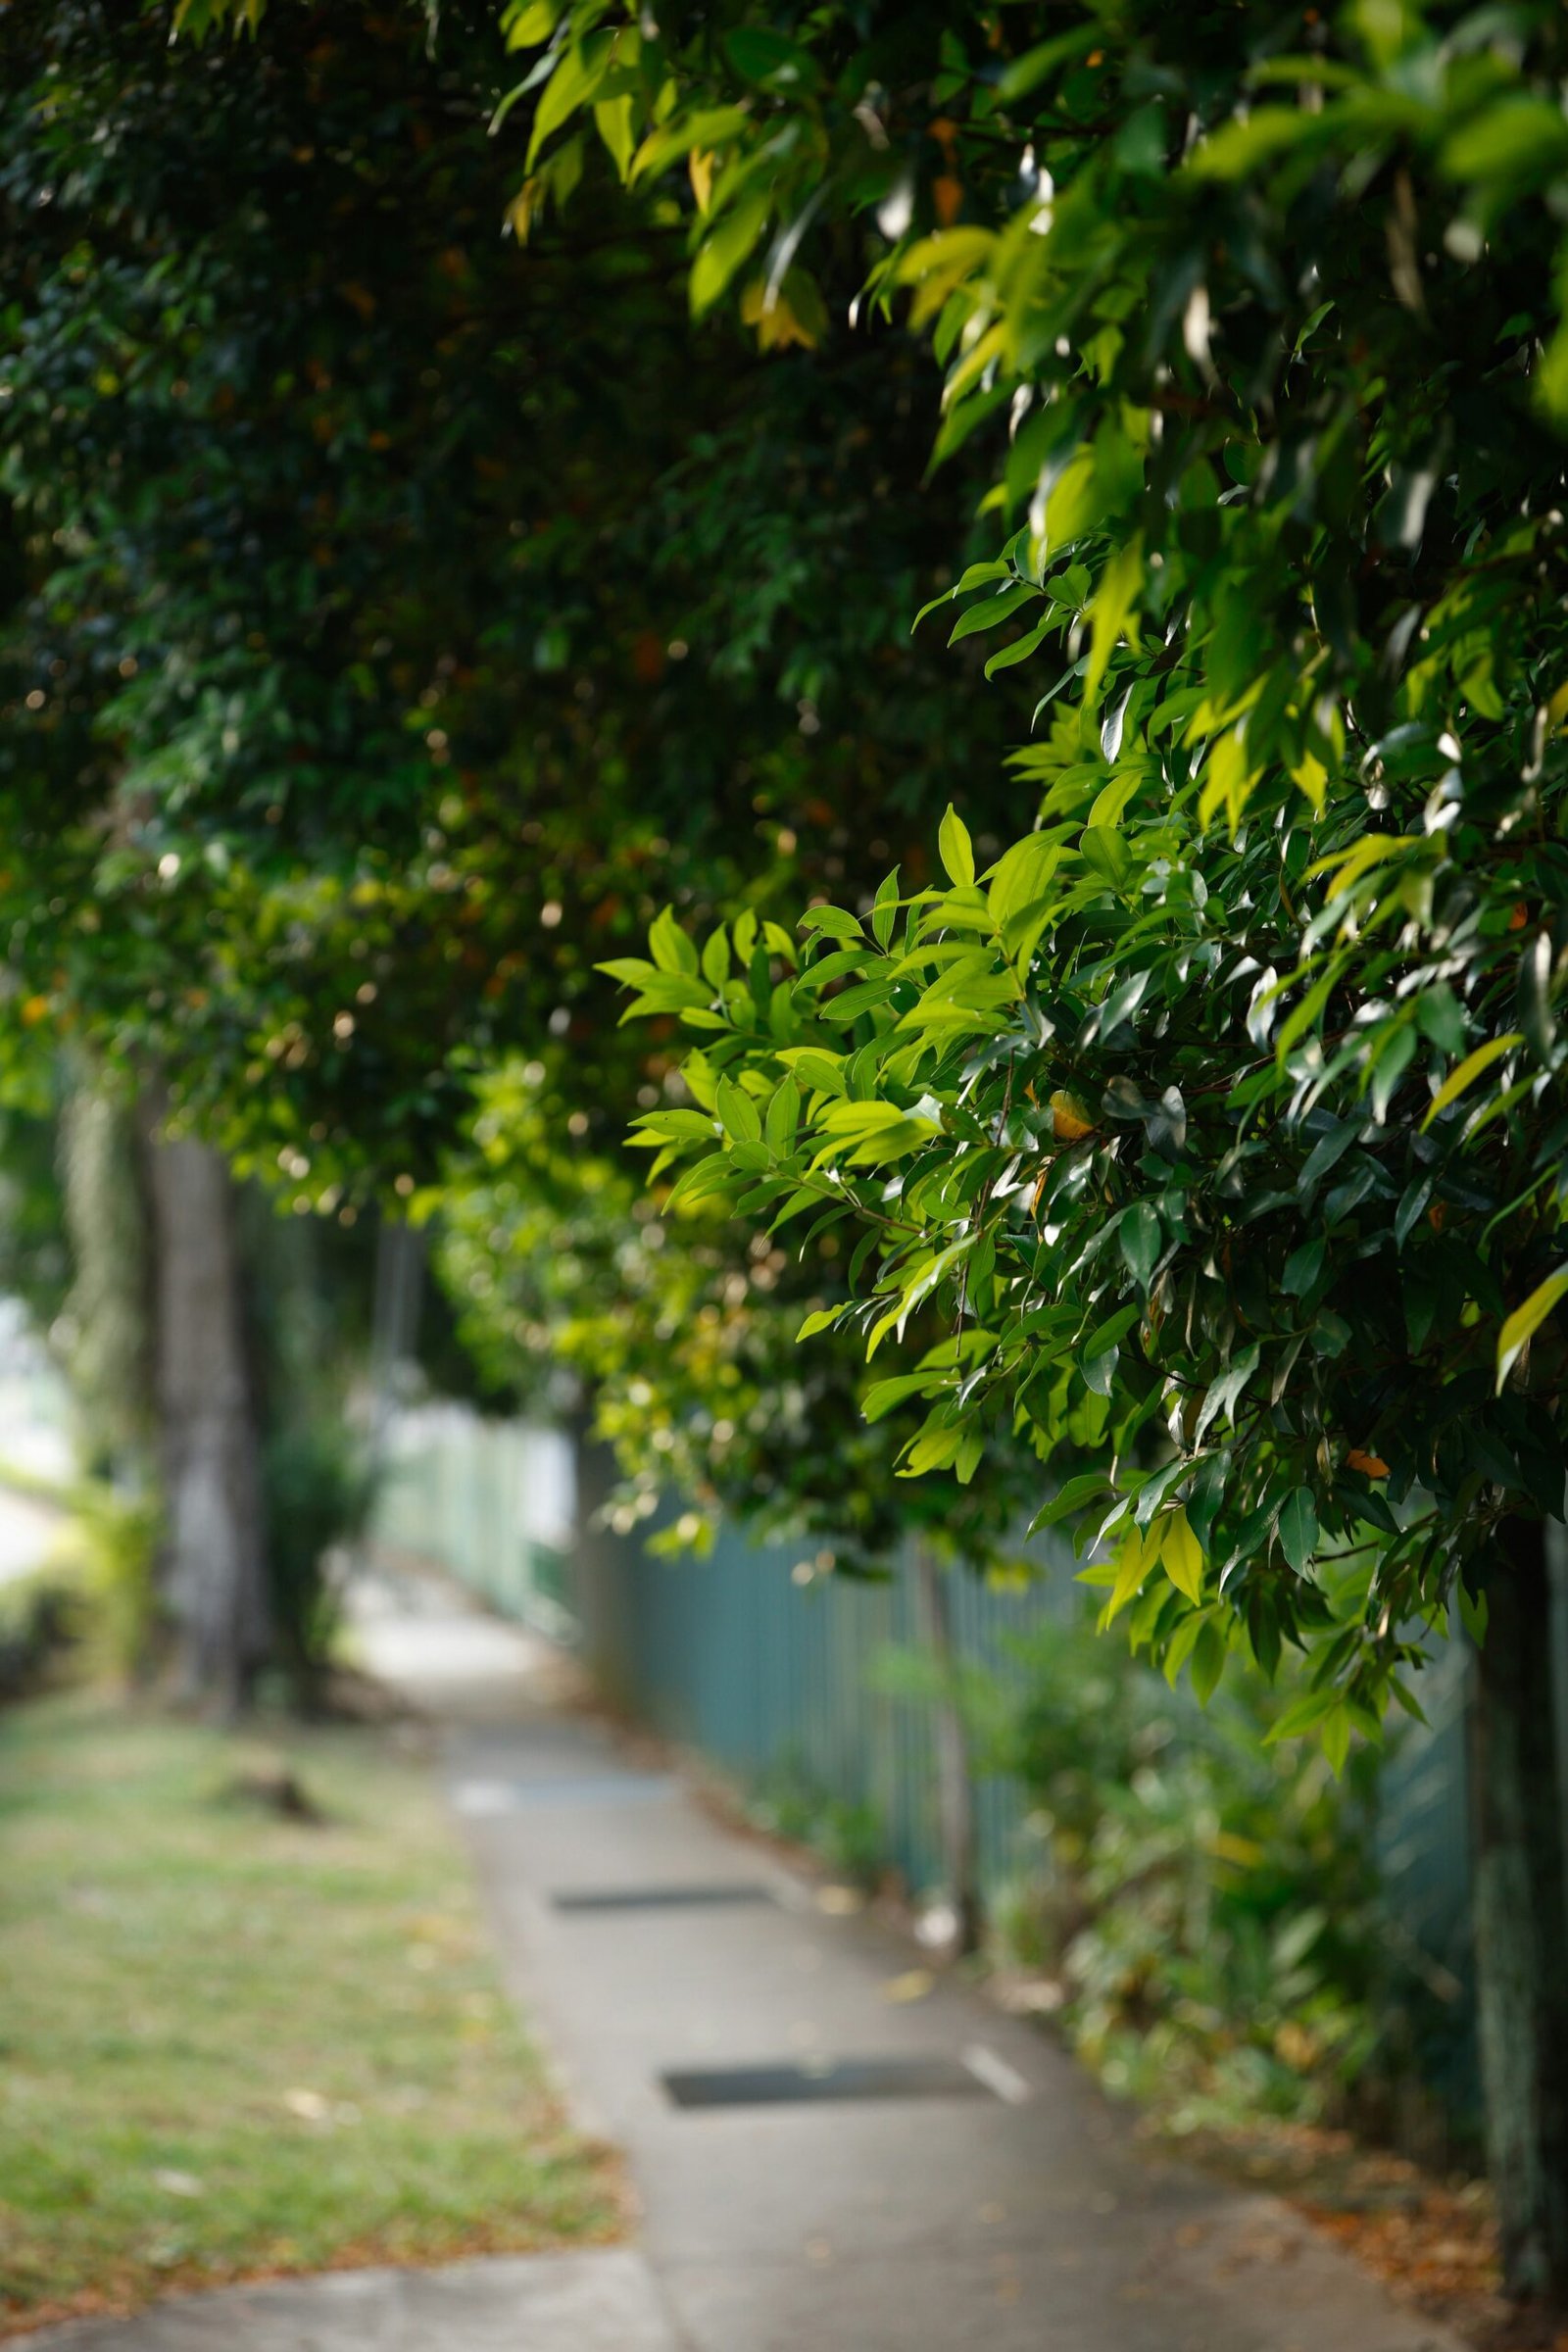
(782, 1682)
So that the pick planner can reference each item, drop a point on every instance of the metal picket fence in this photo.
(784, 1685)
(491, 1504)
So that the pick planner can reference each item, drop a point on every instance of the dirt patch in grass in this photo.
(240, 2042)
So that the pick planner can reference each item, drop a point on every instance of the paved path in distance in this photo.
(660, 1955)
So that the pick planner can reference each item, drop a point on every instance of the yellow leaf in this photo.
(699, 167)
(1112, 611)
(1069, 1121)
(1311, 777)
(1182, 1558)
(1229, 782)
(1133, 1563)
(1526, 1321)
(1469, 1070)
(776, 322)
(613, 116)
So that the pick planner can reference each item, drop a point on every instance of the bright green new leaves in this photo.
(958, 852)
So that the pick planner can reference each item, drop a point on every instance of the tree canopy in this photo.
(1229, 1094)
(339, 565)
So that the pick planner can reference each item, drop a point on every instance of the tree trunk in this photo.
(214, 1561)
(954, 1788)
(1521, 1918)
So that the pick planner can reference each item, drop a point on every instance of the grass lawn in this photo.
(234, 2043)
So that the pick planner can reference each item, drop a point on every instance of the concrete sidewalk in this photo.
(1006, 2202)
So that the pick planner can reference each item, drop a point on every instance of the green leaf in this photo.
(760, 54)
(1142, 1240)
(954, 847)
(1441, 1016)
(1107, 854)
(1526, 1320)
(1116, 601)
(1225, 1394)
(1335, 1737)
(884, 912)
(884, 1395)
(526, 26)
(739, 1112)
(573, 81)
(669, 947)
(1473, 1611)
(1111, 1331)
(1209, 1654)
(1409, 1210)
(1298, 1529)
(1302, 1268)
(1022, 647)
(1074, 1497)
(715, 959)
(991, 612)
(783, 1115)
(612, 120)
(823, 1072)
(1017, 884)
(836, 922)
(722, 252)
(1026, 72)
(1238, 148)
(976, 576)
(708, 128)
(1302, 1715)
(1521, 137)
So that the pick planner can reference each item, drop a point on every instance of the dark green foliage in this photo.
(318, 1496)
(390, 621)
(308, 1287)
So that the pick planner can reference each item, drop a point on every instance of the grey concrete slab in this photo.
(852, 2228)
(1072, 2299)
(604, 2301)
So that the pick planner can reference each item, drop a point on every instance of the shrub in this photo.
(1206, 1905)
(319, 1489)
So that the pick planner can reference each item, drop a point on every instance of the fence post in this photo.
(956, 1817)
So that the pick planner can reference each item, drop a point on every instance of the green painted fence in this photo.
(781, 1684)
